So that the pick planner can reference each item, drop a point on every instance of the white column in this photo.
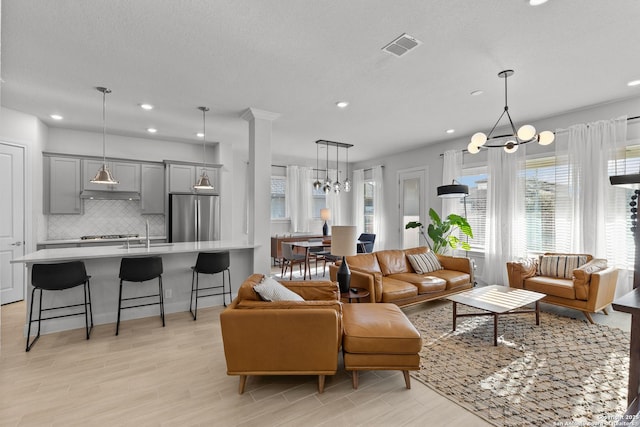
(225, 186)
(259, 194)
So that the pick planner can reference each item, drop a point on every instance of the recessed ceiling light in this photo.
(477, 92)
(200, 135)
(342, 104)
(152, 130)
(450, 130)
(633, 83)
(146, 106)
(536, 2)
(56, 117)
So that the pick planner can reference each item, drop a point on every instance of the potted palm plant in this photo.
(442, 232)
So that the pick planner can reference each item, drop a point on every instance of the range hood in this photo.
(109, 195)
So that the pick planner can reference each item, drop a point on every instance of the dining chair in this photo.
(289, 259)
(367, 241)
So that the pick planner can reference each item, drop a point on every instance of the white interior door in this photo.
(412, 201)
(12, 195)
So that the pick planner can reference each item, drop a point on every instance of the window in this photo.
(278, 200)
(476, 204)
(369, 188)
(318, 200)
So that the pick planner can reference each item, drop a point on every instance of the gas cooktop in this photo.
(110, 237)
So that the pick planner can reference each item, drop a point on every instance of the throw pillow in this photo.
(424, 263)
(271, 290)
(560, 266)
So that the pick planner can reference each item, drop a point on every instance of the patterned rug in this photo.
(563, 372)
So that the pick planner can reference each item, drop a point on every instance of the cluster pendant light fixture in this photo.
(103, 176)
(510, 143)
(336, 185)
(203, 182)
(317, 184)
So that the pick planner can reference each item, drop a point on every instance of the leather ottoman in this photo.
(379, 337)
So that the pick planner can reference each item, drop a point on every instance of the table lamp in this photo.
(343, 243)
(325, 215)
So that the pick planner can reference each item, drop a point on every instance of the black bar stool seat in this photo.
(59, 277)
(209, 263)
(141, 270)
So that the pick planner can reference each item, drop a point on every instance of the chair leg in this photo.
(354, 379)
(407, 379)
(243, 382)
(194, 313)
(604, 310)
(90, 306)
(193, 281)
(33, 291)
(86, 310)
(229, 278)
(588, 316)
(162, 300)
(119, 308)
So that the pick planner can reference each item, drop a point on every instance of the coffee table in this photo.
(496, 300)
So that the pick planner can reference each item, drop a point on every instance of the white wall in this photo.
(29, 132)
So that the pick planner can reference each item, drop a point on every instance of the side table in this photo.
(357, 295)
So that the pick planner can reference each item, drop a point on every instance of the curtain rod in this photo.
(464, 150)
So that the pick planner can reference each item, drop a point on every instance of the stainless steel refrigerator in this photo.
(194, 218)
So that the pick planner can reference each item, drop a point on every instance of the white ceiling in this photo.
(298, 57)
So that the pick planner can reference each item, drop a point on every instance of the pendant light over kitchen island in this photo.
(103, 176)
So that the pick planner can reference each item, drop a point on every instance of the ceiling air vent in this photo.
(401, 45)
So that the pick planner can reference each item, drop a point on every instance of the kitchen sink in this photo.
(143, 245)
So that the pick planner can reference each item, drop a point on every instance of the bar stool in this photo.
(140, 270)
(58, 277)
(209, 263)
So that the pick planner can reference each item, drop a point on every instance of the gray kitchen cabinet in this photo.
(62, 185)
(126, 173)
(152, 192)
(182, 177)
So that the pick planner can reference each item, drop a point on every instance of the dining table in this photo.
(307, 245)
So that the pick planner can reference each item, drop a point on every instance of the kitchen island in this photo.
(103, 265)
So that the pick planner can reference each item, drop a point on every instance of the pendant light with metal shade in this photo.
(203, 182)
(327, 182)
(317, 184)
(103, 176)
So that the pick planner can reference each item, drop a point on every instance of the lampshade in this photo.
(103, 176)
(325, 214)
(453, 191)
(203, 182)
(344, 240)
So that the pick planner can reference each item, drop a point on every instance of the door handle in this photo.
(16, 244)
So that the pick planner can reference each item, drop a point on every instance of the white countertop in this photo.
(95, 252)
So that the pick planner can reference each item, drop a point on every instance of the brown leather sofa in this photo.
(286, 337)
(390, 278)
(590, 288)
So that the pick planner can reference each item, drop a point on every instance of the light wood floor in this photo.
(176, 376)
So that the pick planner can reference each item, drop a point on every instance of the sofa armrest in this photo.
(371, 281)
(582, 277)
(602, 288)
(518, 271)
(280, 340)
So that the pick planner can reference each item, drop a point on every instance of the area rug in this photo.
(563, 372)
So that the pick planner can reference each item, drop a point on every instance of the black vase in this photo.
(344, 276)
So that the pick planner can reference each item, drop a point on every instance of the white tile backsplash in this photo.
(105, 217)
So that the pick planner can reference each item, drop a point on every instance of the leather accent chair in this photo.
(285, 337)
(588, 288)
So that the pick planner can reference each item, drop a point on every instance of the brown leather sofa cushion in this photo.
(393, 289)
(246, 292)
(393, 261)
(454, 279)
(365, 262)
(425, 283)
(379, 329)
(562, 288)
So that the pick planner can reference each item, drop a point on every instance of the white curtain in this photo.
(451, 169)
(333, 203)
(379, 216)
(298, 197)
(598, 209)
(358, 199)
(505, 237)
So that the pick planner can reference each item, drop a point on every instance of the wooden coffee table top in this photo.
(496, 298)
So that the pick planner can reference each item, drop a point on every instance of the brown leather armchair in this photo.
(590, 288)
(286, 337)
